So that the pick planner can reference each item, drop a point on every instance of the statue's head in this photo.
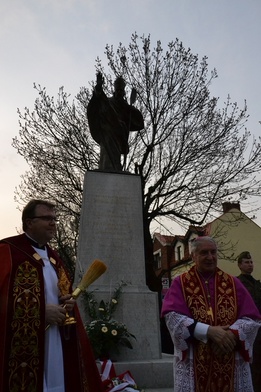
(119, 82)
(119, 86)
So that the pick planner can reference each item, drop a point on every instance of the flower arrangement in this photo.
(105, 333)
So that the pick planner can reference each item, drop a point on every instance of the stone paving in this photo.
(159, 390)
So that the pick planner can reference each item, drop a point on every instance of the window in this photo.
(179, 253)
(157, 259)
(191, 238)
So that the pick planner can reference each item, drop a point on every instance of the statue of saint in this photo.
(110, 121)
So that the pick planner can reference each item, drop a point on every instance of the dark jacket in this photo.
(253, 286)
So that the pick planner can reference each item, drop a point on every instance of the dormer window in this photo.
(157, 259)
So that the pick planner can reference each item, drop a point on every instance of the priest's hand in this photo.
(54, 314)
(68, 302)
(222, 337)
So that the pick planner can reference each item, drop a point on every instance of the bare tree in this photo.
(191, 155)
(55, 142)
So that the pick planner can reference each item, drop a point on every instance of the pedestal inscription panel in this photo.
(111, 227)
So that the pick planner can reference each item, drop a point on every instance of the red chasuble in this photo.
(22, 325)
(211, 372)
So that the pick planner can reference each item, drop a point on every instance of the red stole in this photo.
(212, 373)
(22, 326)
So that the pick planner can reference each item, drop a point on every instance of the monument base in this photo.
(155, 373)
(111, 229)
(138, 310)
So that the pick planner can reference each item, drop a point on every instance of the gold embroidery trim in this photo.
(211, 373)
(52, 260)
(64, 283)
(23, 363)
(36, 256)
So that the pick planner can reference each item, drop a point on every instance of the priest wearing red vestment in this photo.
(38, 352)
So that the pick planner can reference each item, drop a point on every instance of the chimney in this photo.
(227, 206)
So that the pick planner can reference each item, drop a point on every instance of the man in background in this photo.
(246, 266)
(39, 353)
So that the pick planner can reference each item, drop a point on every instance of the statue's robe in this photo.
(110, 121)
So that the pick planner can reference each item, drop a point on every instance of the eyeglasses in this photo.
(46, 218)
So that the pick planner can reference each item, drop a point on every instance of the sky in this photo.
(54, 43)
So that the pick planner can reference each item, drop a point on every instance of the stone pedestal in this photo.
(111, 229)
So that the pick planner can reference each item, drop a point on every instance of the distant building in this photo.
(233, 231)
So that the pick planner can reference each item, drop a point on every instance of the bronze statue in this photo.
(110, 121)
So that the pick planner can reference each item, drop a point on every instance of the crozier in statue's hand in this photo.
(99, 80)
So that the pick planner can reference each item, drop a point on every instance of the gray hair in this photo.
(197, 241)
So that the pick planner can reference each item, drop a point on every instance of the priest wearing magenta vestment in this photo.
(213, 322)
